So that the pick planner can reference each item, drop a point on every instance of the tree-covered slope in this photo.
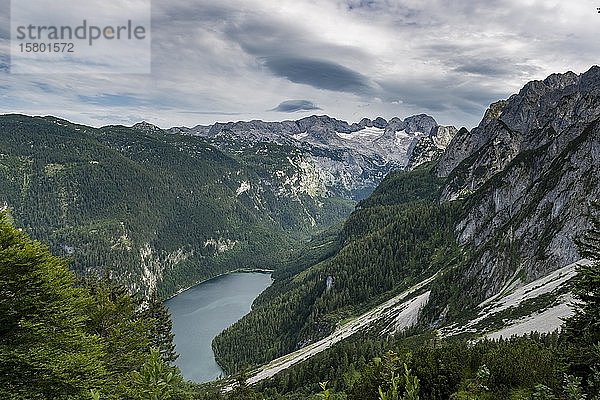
(396, 238)
(154, 209)
(62, 338)
(559, 365)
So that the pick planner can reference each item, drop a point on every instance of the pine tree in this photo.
(582, 330)
(45, 351)
(114, 316)
(156, 380)
(161, 334)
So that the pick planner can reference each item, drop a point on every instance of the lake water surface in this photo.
(202, 312)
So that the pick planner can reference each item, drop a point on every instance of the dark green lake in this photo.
(202, 312)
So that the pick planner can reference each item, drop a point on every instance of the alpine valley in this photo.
(402, 251)
(166, 209)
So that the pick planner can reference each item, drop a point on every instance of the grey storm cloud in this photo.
(442, 95)
(494, 67)
(352, 4)
(354, 58)
(4, 64)
(210, 112)
(4, 19)
(296, 105)
(320, 74)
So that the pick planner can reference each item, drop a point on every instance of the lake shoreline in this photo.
(202, 313)
(237, 271)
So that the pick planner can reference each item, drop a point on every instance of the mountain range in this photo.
(163, 210)
(372, 229)
(347, 160)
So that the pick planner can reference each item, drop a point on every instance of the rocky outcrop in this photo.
(432, 146)
(531, 170)
(147, 127)
(420, 123)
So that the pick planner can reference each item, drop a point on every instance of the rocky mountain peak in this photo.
(147, 127)
(528, 172)
(554, 101)
(320, 122)
(493, 112)
(348, 159)
(432, 146)
(380, 123)
(589, 82)
(560, 81)
(443, 135)
(544, 110)
(364, 123)
(420, 123)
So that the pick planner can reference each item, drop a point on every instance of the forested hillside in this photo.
(503, 208)
(155, 210)
(419, 363)
(63, 338)
(396, 238)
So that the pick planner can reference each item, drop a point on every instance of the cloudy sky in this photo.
(284, 59)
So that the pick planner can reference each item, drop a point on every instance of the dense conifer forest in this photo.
(156, 210)
(396, 238)
(63, 337)
(411, 365)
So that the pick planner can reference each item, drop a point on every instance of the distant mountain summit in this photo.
(345, 159)
(146, 127)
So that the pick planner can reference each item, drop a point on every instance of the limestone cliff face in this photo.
(532, 167)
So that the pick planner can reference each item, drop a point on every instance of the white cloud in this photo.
(214, 60)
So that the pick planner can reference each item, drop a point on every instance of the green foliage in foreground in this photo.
(46, 349)
(63, 339)
(582, 331)
(527, 368)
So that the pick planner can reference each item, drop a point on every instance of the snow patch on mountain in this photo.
(407, 314)
(300, 136)
(366, 133)
(542, 322)
(244, 187)
(403, 309)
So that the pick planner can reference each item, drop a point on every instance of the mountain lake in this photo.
(205, 310)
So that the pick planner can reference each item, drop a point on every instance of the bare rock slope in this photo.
(533, 167)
